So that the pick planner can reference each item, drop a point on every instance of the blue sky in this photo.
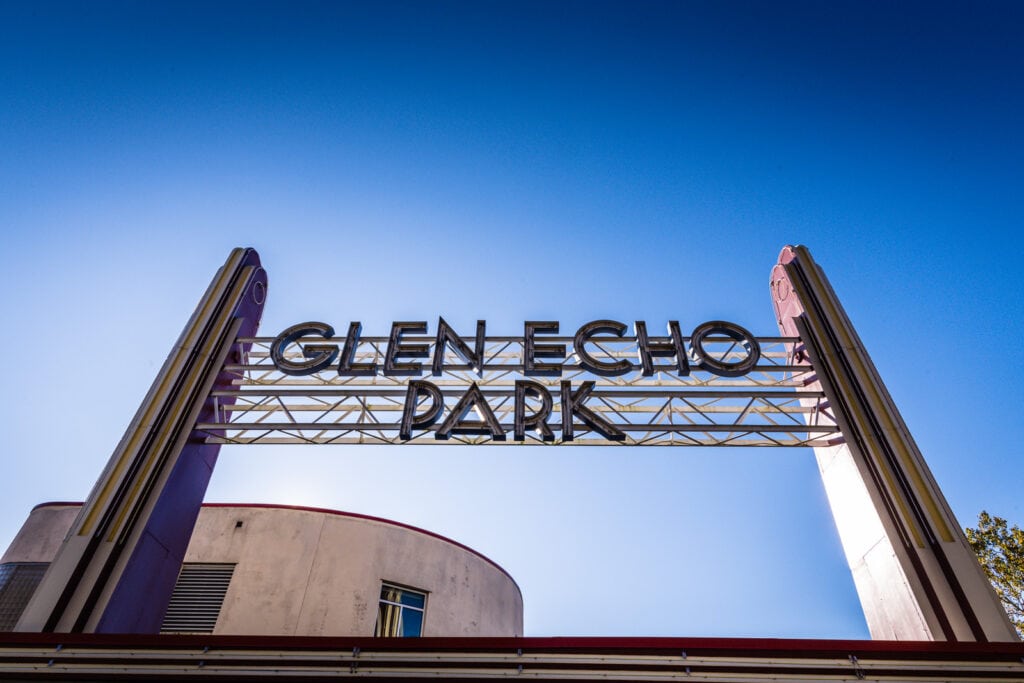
(513, 161)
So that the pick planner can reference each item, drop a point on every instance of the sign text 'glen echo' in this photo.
(318, 355)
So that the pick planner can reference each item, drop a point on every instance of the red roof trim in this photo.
(52, 504)
(340, 513)
(757, 647)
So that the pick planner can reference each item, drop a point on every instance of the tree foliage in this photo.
(1001, 551)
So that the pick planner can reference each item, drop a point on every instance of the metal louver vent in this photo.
(18, 581)
(197, 598)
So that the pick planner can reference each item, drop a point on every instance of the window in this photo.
(18, 581)
(401, 612)
(197, 598)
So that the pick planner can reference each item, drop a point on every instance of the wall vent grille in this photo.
(18, 581)
(197, 598)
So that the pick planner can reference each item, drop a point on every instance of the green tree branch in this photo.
(1000, 549)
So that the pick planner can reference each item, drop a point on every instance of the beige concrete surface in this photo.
(303, 572)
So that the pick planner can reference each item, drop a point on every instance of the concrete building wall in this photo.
(42, 533)
(307, 572)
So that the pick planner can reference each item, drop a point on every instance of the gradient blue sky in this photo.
(514, 161)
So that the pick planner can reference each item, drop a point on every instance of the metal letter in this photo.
(410, 420)
(397, 348)
(648, 348)
(533, 350)
(348, 354)
(572, 404)
(720, 367)
(487, 424)
(446, 334)
(538, 420)
(608, 369)
(320, 355)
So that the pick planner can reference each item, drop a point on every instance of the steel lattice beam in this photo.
(768, 406)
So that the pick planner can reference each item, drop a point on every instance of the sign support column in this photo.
(115, 571)
(915, 573)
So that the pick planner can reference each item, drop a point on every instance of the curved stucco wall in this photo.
(307, 572)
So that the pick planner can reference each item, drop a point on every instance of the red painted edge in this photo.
(60, 503)
(754, 647)
(340, 513)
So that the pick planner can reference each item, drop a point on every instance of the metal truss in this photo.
(769, 406)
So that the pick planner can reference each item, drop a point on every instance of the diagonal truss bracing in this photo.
(769, 406)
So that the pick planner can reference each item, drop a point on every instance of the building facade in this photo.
(290, 571)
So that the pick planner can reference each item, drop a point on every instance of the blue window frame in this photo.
(401, 612)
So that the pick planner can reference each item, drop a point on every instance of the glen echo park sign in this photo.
(813, 386)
